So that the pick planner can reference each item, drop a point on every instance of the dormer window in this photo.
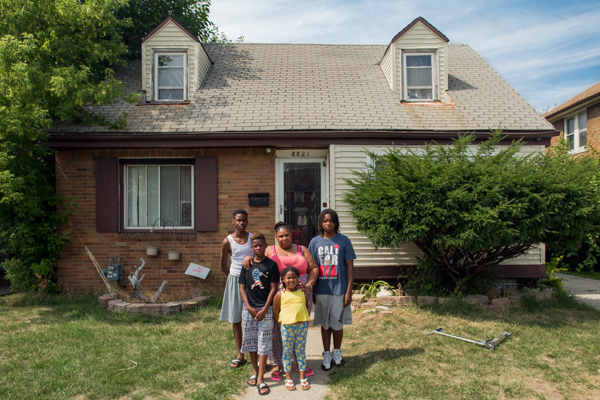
(415, 63)
(174, 63)
(170, 76)
(419, 76)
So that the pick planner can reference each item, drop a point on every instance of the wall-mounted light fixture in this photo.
(268, 150)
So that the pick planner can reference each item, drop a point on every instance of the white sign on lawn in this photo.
(197, 270)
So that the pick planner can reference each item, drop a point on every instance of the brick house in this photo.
(272, 128)
(578, 120)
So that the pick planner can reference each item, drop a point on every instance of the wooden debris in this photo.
(135, 281)
(158, 292)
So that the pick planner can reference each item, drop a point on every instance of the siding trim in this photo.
(232, 139)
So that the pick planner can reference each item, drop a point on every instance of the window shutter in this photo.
(205, 194)
(107, 195)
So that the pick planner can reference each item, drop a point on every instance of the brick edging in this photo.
(483, 301)
(113, 304)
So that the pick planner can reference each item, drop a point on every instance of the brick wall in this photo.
(240, 171)
(593, 126)
(559, 126)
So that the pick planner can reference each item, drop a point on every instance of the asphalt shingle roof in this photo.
(271, 87)
(588, 94)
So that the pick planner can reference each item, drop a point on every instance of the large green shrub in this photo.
(469, 208)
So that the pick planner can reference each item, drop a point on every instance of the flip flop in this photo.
(263, 386)
(308, 372)
(276, 376)
(236, 362)
(252, 378)
(289, 385)
(304, 384)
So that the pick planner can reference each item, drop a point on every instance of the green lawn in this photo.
(70, 348)
(554, 354)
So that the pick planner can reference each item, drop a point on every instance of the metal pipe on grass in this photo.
(488, 344)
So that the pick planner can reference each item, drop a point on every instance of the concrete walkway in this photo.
(585, 290)
(314, 358)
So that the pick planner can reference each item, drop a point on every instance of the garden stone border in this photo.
(492, 301)
(113, 304)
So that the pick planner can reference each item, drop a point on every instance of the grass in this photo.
(69, 348)
(582, 274)
(554, 353)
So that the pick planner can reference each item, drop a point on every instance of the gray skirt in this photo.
(232, 301)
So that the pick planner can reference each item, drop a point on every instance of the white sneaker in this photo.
(338, 360)
(326, 366)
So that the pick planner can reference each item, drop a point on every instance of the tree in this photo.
(469, 208)
(54, 59)
(145, 15)
(55, 63)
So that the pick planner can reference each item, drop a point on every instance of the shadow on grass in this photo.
(357, 365)
(72, 307)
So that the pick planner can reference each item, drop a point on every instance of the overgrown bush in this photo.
(468, 208)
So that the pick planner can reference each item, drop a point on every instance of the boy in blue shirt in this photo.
(333, 291)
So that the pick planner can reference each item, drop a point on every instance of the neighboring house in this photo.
(273, 128)
(578, 120)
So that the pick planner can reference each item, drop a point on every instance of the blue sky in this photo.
(549, 51)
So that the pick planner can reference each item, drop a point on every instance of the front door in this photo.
(301, 191)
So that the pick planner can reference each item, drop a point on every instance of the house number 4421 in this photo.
(300, 154)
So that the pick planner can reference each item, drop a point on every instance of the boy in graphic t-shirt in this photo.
(335, 256)
(258, 286)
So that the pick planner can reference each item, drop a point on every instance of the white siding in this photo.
(421, 37)
(204, 64)
(386, 66)
(170, 36)
(343, 160)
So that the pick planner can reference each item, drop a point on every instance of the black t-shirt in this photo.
(258, 281)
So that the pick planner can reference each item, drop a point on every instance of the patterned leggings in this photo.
(294, 337)
(277, 350)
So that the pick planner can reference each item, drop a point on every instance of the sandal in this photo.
(289, 385)
(276, 376)
(252, 380)
(304, 384)
(236, 363)
(262, 387)
(308, 372)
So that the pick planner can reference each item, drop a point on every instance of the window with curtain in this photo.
(418, 76)
(576, 132)
(158, 191)
(170, 70)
